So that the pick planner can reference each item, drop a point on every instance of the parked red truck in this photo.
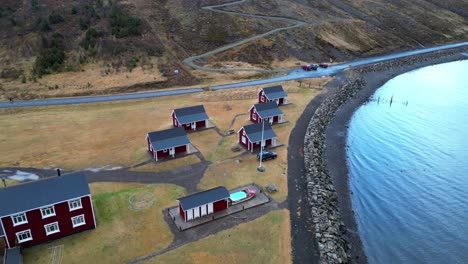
(309, 67)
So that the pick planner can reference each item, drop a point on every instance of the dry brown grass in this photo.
(168, 164)
(93, 78)
(264, 240)
(122, 233)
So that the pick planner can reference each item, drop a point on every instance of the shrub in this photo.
(90, 40)
(157, 52)
(11, 73)
(51, 56)
(84, 23)
(35, 5)
(55, 18)
(6, 11)
(74, 10)
(123, 26)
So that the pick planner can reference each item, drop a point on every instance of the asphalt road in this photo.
(292, 75)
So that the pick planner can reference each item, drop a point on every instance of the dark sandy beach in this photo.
(374, 76)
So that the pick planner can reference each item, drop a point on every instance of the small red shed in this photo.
(190, 117)
(273, 93)
(47, 209)
(203, 203)
(250, 136)
(266, 112)
(167, 142)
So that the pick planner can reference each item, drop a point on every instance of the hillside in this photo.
(64, 48)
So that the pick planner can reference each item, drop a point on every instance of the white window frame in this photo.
(50, 232)
(244, 140)
(72, 206)
(18, 234)
(77, 217)
(48, 211)
(15, 217)
(254, 116)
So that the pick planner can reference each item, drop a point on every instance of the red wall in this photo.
(260, 96)
(281, 101)
(36, 223)
(149, 146)
(181, 212)
(220, 205)
(201, 123)
(179, 149)
(252, 112)
(241, 132)
(198, 124)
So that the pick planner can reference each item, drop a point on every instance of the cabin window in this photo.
(47, 211)
(164, 150)
(52, 228)
(254, 116)
(75, 204)
(19, 219)
(24, 236)
(78, 220)
(244, 141)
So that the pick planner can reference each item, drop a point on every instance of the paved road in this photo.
(292, 75)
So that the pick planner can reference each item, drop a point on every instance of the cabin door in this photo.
(189, 214)
(196, 212)
(210, 208)
(172, 152)
(194, 125)
(203, 210)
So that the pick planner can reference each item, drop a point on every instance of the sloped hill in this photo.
(141, 42)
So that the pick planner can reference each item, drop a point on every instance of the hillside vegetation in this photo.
(45, 43)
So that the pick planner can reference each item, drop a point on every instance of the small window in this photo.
(24, 236)
(254, 116)
(47, 211)
(75, 204)
(244, 141)
(78, 220)
(19, 219)
(52, 228)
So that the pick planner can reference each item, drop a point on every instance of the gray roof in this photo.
(168, 138)
(269, 109)
(32, 195)
(13, 256)
(205, 197)
(191, 114)
(254, 132)
(275, 92)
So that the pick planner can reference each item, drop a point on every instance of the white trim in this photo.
(53, 232)
(4, 234)
(49, 215)
(92, 209)
(36, 208)
(79, 224)
(25, 240)
(74, 208)
(19, 223)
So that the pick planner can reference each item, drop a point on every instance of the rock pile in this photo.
(323, 199)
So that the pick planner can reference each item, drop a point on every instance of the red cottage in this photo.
(167, 142)
(203, 203)
(190, 117)
(47, 209)
(266, 112)
(250, 136)
(274, 93)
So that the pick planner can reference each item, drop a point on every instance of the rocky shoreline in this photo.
(328, 192)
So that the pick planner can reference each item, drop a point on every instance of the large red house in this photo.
(38, 211)
(273, 94)
(266, 112)
(203, 203)
(190, 117)
(250, 136)
(167, 142)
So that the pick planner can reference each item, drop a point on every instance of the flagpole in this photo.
(260, 168)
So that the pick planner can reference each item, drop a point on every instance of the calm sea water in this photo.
(408, 161)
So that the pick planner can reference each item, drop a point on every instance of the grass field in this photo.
(123, 233)
(264, 240)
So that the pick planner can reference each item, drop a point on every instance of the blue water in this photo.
(237, 196)
(408, 165)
